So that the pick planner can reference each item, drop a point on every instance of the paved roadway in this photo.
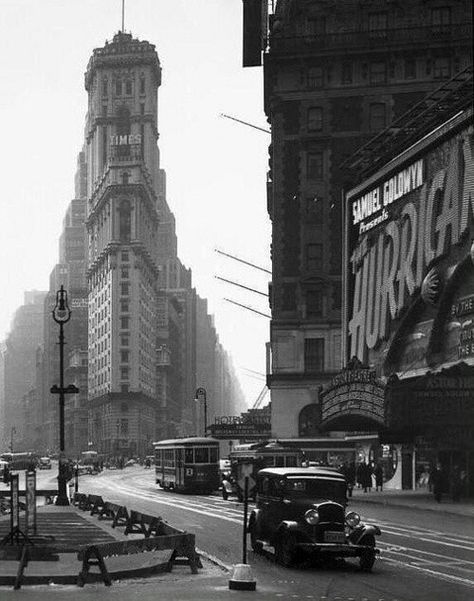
(425, 555)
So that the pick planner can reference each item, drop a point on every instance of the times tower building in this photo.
(123, 209)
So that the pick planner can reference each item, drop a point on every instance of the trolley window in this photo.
(201, 455)
(188, 455)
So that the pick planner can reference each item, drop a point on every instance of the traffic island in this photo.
(82, 549)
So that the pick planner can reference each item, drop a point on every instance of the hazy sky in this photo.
(215, 167)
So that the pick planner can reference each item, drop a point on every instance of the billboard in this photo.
(407, 227)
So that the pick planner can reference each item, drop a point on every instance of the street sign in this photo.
(30, 491)
(14, 503)
(251, 482)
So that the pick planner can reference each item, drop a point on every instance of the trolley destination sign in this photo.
(241, 426)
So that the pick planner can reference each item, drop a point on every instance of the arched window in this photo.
(309, 420)
(125, 224)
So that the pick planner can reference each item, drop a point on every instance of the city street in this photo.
(425, 555)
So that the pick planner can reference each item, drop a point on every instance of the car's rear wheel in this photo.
(367, 559)
(285, 549)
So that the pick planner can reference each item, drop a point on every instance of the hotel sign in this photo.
(244, 426)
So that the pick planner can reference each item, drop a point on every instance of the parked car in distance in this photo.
(302, 511)
(44, 463)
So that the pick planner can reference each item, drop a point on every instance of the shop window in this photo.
(315, 119)
(378, 73)
(314, 256)
(314, 167)
(309, 420)
(314, 355)
(377, 117)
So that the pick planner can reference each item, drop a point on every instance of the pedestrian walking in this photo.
(360, 474)
(226, 487)
(378, 473)
(367, 477)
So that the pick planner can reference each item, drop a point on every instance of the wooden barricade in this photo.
(117, 513)
(182, 547)
(96, 504)
(142, 523)
(80, 500)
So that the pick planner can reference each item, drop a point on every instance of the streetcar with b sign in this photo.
(187, 465)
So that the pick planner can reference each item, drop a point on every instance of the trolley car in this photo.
(187, 464)
(261, 455)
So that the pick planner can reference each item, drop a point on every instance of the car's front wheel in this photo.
(367, 559)
(256, 545)
(285, 549)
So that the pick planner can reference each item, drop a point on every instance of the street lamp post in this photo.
(61, 315)
(201, 395)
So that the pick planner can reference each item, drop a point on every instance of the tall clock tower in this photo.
(121, 134)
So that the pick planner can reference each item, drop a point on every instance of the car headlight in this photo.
(352, 519)
(312, 517)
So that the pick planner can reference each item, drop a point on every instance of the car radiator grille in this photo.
(331, 519)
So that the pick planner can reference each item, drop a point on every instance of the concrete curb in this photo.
(420, 507)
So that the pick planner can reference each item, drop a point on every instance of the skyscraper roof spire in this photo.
(123, 16)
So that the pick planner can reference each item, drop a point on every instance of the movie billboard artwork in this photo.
(407, 232)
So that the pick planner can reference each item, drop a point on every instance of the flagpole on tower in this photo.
(123, 16)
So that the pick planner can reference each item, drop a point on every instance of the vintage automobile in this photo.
(302, 511)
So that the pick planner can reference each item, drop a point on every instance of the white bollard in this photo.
(242, 579)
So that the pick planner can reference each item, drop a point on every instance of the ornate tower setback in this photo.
(122, 157)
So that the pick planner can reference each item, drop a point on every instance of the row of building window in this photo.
(122, 87)
(440, 19)
(315, 123)
(379, 72)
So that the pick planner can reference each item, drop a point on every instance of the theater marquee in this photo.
(353, 400)
(400, 225)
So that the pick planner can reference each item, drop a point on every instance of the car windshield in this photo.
(318, 488)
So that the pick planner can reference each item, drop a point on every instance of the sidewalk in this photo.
(414, 499)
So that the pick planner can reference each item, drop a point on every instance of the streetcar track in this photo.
(416, 559)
